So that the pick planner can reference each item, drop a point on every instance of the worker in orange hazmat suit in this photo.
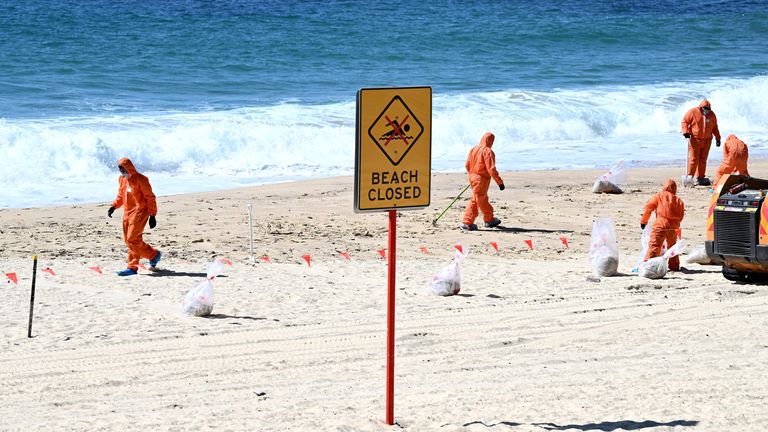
(670, 211)
(481, 167)
(735, 155)
(135, 195)
(698, 125)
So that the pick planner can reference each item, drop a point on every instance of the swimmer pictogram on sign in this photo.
(396, 130)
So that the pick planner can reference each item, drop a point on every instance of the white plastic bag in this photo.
(645, 239)
(699, 256)
(656, 268)
(603, 248)
(610, 181)
(447, 281)
(687, 180)
(199, 300)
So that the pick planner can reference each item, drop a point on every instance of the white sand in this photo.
(528, 345)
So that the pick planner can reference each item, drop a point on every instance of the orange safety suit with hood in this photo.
(699, 128)
(135, 194)
(735, 155)
(670, 211)
(481, 167)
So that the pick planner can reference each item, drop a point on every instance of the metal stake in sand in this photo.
(434, 222)
(32, 296)
(250, 231)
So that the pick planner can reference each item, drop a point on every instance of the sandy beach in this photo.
(529, 344)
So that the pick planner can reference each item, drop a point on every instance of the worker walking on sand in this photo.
(481, 167)
(135, 194)
(698, 126)
(735, 156)
(670, 211)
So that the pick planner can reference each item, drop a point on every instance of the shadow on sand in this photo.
(610, 426)
(166, 272)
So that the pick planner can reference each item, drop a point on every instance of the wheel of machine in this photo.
(735, 275)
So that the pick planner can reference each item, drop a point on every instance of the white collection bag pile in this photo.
(199, 300)
(610, 181)
(603, 248)
(447, 281)
(656, 268)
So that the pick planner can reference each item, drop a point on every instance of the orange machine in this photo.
(737, 227)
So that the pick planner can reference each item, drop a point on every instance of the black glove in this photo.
(687, 135)
(110, 211)
(642, 226)
(152, 222)
(501, 186)
(717, 143)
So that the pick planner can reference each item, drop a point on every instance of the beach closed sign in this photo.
(393, 152)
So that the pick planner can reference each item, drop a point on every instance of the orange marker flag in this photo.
(679, 232)
(12, 277)
(226, 261)
(424, 250)
(529, 243)
(495, 246)
(345, 255)
(459, 248)
(50, 271)
(96, 269)
(266, 259)
(383, 253)
(307, 258)
(565, 242)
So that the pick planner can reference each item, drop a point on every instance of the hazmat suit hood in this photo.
(127, 165)
(735, 142)
(487, 140)
(669, 186)
(705, 103)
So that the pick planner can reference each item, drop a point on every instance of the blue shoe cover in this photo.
(127, 272)
(153, 262)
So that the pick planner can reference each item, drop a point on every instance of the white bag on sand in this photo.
(447, 281)
(610, 181)
(656, 268)
(645, 239)
(603, 248)
(699, 256)
(199, 300)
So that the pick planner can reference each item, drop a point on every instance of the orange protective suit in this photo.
(670, 211)
(481, 167)
(735, 155)
(135, 194)
(701, 128)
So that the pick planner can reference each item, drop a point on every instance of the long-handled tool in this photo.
(434, 222)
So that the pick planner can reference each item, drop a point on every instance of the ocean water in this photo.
(206, 95)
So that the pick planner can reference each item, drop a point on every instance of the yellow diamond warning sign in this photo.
(393, 148)
(396, 130)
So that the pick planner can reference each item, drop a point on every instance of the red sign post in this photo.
(393, 169)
